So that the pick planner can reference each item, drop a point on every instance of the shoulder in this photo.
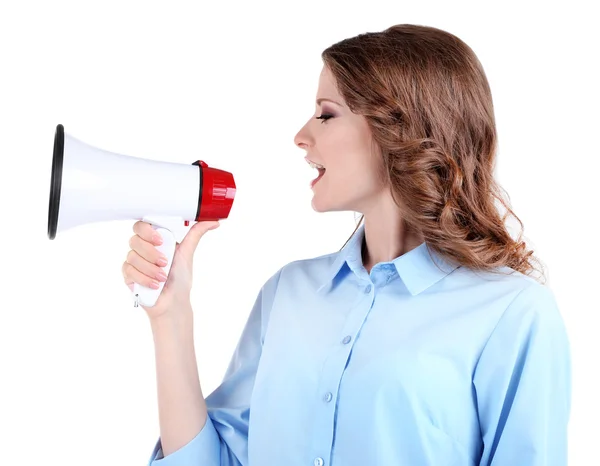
(534, 304)
(511, 301)
(516, 288)
(312, 268)
(300, 272)
(528, 308)
(528, 295)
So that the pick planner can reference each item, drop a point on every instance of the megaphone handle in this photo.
(148, 296)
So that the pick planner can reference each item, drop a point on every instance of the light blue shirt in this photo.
(407, 365)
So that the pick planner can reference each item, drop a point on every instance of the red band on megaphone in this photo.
(217, 192)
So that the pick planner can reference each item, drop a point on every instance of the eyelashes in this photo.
(324, 117)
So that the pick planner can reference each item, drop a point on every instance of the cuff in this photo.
(204, 448)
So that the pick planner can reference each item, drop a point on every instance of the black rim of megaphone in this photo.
(55, 180)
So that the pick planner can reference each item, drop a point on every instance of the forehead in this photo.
(327, 87)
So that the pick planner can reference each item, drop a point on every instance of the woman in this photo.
(424, 341)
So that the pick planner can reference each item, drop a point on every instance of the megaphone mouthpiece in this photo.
(217, 192)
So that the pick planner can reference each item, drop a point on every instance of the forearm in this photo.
(181, 406)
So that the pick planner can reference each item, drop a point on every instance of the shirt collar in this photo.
(418, 268)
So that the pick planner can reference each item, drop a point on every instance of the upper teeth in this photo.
(315, 165)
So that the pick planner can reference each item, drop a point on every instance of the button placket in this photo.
(332, 372)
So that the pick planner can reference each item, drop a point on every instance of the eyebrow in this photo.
(328, 100)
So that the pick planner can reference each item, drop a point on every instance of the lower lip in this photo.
(316, 180)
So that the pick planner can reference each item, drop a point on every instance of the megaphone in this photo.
(92, 185)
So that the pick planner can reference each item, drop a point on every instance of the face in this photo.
(340, 141)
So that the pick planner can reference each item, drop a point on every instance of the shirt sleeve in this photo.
(223, 441)
(523, 384)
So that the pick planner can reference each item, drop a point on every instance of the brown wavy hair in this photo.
(428, 104)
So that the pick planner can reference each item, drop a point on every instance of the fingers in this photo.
(147, 268)
(131, 274)
(147, 250)
(144, 262)
(145, 231)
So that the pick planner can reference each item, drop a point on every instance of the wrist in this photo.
(181, 317)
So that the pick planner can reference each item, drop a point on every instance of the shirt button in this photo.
(318, 462)
(346, 339)
(328, 396)
(368, 289)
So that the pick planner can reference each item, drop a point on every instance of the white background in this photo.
(231, 83)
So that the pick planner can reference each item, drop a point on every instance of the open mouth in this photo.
(321, 170)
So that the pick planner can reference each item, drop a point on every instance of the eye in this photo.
(324, 117)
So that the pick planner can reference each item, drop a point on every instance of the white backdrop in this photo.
(231, 83)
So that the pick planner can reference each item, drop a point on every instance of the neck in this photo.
(386, 235)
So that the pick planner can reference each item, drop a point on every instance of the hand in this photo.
(142, 266)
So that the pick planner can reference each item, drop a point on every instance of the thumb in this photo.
(192, 238)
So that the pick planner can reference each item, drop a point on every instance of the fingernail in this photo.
(154, 284)
(161, 276)
(157, 238)
(162, 261)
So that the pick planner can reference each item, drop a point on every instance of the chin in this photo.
(321, 205)
(317, 207)
(343, 200)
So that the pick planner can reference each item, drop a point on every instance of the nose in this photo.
(303, 139)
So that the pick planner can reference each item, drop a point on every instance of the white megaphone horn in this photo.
(92, 185)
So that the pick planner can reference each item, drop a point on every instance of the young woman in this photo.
(423, 341)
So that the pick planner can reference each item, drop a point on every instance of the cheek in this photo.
(347, 152)
(352, 157)
(353, 178)
(346, 149)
